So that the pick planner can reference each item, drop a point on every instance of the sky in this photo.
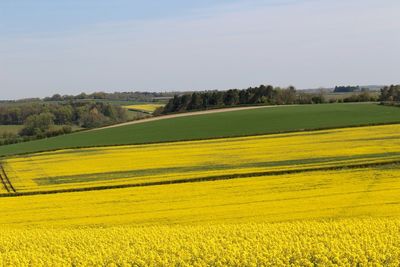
(73, 46)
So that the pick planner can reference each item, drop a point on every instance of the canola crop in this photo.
(368, 192)
(364, 242)
(149, 108)
(207, 159)
(348, 216)
(3, 189)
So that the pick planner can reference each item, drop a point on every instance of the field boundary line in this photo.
(203, 179)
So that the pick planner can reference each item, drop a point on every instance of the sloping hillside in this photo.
(227, 124)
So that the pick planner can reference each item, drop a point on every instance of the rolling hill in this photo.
(226, 124)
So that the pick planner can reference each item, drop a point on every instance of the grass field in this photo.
(136, 115)
(13, 129)
(236, 123)
(207, 159)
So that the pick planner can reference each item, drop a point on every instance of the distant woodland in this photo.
(390, 93)
(347, 89)
(39, 119)
(261, 95)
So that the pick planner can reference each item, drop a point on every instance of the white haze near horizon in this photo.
(307, 44)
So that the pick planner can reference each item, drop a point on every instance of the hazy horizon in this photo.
(69, 47)
(173, 91)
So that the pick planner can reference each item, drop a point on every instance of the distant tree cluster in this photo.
(264, 94)
(347, 89)
(38, 119)
(390, 93)
(360, 97)
(87, 115)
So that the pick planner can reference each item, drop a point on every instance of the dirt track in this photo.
(186, 114)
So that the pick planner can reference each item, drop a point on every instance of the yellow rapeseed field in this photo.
(340, 207)
(337, 218)
(2, 189)
(135, 164)
(365, 242)
(150, 108)
(369, 192)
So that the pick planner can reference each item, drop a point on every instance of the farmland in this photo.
(148, 108)
(344, 243)
(12, 129)
(298, 198)
(236, 123)
(349, 172)
(348, 216)
(317, 195)
(199, 133)
(205, 160)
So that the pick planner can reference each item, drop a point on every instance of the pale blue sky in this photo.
(50, 16)
(69, 46)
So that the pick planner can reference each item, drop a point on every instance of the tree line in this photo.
(346, 89)
(39, 119)
(390, 93)
(263, 94)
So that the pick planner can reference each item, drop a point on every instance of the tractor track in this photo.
(5, 181)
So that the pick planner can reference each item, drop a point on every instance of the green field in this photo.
(10, 129)
(235, 123)
(16, 128)
(135, 115)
